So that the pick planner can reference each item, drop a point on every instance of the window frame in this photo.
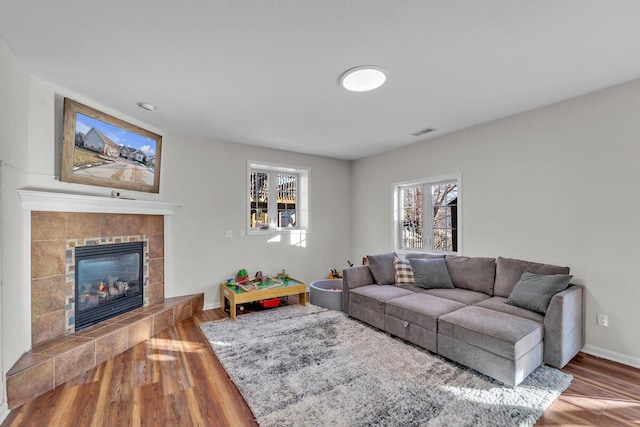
(302, 197)
(427, 206)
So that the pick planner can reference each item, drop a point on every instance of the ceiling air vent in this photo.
(424, 131)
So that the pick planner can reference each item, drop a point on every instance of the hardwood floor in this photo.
(602, 393)
(174, 379)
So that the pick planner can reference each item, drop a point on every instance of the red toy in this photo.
(268, 303)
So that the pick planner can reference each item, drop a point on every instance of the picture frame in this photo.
(102, 150)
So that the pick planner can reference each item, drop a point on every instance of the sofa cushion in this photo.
(509, 271)
(381, 267)
(374, 297)
(534, 291)
(412, 288)
(475, 273)
(463, 296)
(403, 271)
(421, 309)
(500, 304)
(500, 333)
(431, 273)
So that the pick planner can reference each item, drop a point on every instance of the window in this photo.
(439, 230)
(278, 198)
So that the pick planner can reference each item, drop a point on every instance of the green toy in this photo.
(242, 276)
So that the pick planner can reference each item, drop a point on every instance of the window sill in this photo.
(273, 231)
(404, 252)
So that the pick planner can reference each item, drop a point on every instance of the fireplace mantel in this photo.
(33, 200)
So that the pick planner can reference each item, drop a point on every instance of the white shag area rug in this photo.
(308, 366)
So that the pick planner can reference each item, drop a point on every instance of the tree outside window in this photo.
(278, 198)
(438, 233)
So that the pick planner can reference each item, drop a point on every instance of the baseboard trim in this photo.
(211, 306)
(612, 355)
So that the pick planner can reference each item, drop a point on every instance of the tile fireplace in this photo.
(55, 237)
(59, 223)
(55, 225)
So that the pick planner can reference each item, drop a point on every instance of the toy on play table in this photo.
(243, 276)
(283, 275)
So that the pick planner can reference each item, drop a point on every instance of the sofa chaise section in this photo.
(564, 334)
(503, 346)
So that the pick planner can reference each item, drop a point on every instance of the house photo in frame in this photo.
(99, 149)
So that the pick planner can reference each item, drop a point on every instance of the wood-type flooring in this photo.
(174, 379)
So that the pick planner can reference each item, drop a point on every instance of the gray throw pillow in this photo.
(431, 273)
(534, 291)
(509, 270)
(382, 269)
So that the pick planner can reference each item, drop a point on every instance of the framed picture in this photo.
(99, 149)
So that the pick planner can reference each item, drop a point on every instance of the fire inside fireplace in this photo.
(108, 281)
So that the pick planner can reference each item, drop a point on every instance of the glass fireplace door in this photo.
(108, 281)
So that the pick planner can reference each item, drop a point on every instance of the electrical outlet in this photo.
(242, 232)
(603, 320)
(228, 234)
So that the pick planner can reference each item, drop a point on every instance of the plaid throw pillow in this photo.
(404, 273)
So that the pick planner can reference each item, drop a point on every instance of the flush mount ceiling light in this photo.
(146, 106)
(363, 78)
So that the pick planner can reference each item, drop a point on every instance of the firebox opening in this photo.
(108, 281)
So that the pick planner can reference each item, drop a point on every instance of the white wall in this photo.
(13, 153)
(207, 177)
(212, 187)
(554, 185)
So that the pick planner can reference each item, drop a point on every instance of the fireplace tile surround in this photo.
(53, 232)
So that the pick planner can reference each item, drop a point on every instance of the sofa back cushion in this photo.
(472, 273)
(382, 269)
(431, 273)
(509, 271)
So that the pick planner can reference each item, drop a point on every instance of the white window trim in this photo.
(302, 205)
(395, 225)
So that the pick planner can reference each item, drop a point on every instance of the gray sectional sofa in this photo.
(475, 319)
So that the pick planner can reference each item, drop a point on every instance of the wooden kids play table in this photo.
(269, 288)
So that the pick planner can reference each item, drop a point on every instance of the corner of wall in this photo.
(13, 153)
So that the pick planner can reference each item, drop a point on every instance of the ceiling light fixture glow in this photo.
(363, 78)
(146, 106)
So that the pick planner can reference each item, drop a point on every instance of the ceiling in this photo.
(266, 72)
